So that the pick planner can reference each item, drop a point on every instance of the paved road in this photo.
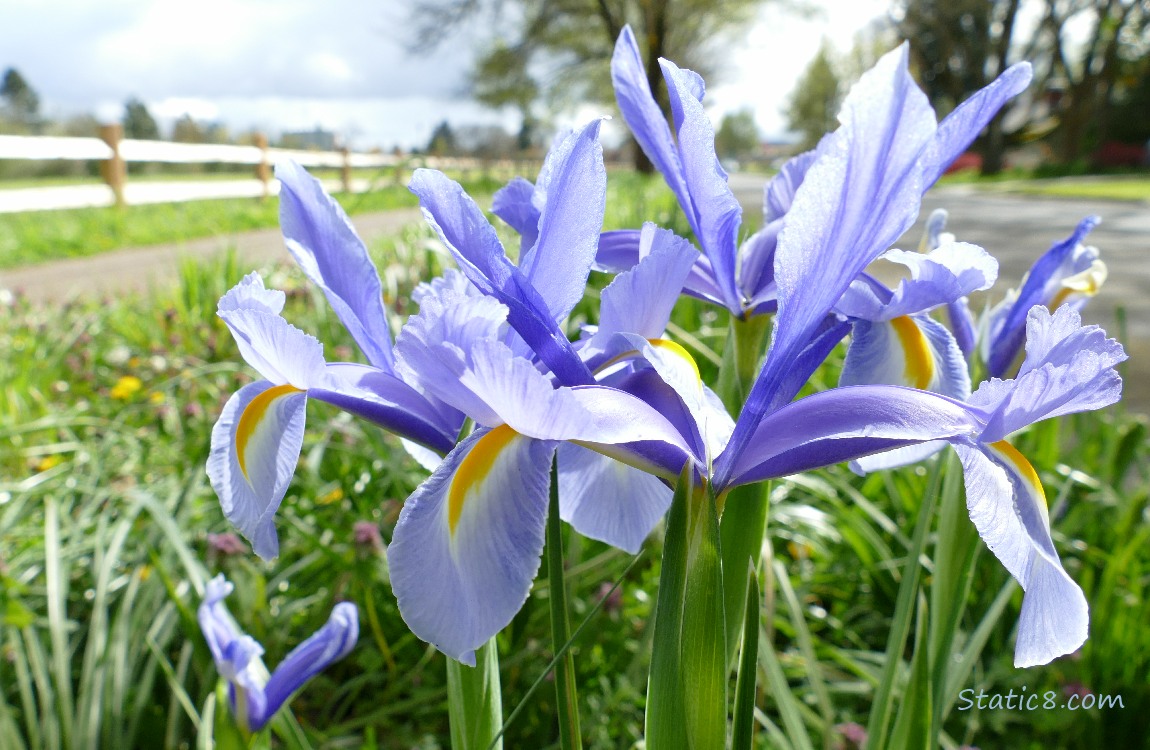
(139, 269)
(1016, 229)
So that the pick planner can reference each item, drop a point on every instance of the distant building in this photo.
(316, 139)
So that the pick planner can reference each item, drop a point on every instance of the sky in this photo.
(282, 65)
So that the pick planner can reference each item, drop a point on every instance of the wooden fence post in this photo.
(345, 170)
(263, 169)
(114, 170)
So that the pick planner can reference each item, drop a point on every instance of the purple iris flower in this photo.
(837, 210)
(257, 440)
(894, 340)
(490, 343)
(1069, 273)
(744, 278)
(1068, 368)
(255, 695)
(857, 194)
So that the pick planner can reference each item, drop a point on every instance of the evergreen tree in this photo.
(138, 121)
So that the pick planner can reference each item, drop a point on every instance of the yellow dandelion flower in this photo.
(126, 387)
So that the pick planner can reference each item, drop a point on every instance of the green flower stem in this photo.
(743, 722)
(687, 685)
(955, 554)
(474, 702)
(741, 530)
(746, 342)
(565, 692)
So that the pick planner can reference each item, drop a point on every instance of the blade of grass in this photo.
(555, 659)
(805, 643)
(785, 700)
(567, 700)
(903, 616)
(57, 592)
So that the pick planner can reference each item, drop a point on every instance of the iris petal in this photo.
(460, 576)
(608, 500)
(255, 446)
(1008, 507)
(320, 237)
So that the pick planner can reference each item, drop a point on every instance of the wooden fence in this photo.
(114, 153)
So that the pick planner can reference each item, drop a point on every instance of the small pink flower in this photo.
(226, 544)
(367, 537)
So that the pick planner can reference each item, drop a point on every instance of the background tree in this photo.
(187, 130)
(957, 47)
(738, 136)
(21, 103)
(500, 79)
(442, 141)
(138, 121)
(563, 47)
(813, 106)
(1087, 77)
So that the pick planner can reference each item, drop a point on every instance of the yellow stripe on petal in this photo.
(1024, 470)
(670, 346)
(253, 415)
(473, 469)
(1086, 283)
(919, 358)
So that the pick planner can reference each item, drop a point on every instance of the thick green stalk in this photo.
(741, 530)
(664, 726)
(567, 700)
(743, 519)
(746, 342)
(474, 702)
(687, 685)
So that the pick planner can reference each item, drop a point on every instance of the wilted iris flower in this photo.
(255, 695)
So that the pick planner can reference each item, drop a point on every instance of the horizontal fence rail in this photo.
(114, 154)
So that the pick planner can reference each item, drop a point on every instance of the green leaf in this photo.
(743, 723)
(881, 709)
(16, 614)
(741, 531)
(704, 656)
(474, 702)
(912, 727)
(665, 727)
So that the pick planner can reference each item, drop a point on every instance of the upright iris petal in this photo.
(859, 193)
(256, 696)
(1070, 273)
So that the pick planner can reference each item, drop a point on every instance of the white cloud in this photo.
(340, 64)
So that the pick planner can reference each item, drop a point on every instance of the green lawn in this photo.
(1134, 187)
(40, 236)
